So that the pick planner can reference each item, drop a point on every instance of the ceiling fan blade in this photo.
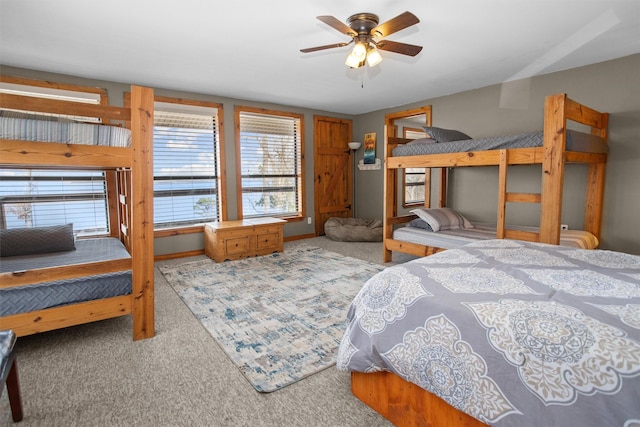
(393, 25)
(337, 24)
(327, 46)
(403, 48)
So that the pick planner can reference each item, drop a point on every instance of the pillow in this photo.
(440, 219)
(36, 240)
(419, 223)
(422, 141)
(445, 135)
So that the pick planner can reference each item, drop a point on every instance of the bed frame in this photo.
(552, 157)
(406, 404)
(129, 180)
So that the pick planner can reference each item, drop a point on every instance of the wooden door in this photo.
(333, 170)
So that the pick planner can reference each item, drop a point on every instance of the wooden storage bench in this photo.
(230, 240)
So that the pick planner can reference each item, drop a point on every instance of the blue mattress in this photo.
(576, 141)
(62, 292)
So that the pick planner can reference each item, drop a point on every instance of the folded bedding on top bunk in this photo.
(28, 127)
(61, 292)
(452, 239)
(576, 141)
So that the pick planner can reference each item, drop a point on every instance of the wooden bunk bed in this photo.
(129, 180)
(552, 156)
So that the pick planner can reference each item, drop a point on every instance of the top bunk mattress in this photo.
(29, 127)
(576, 141)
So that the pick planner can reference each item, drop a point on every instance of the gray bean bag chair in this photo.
(353, 229)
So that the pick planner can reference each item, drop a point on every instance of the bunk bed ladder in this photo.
(504, 197)
(124, 188)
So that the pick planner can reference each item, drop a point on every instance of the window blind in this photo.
(36, 198)
(185, 167)
(271, 164)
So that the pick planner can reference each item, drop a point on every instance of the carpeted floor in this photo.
(95, 375)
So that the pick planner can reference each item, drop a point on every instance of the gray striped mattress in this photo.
(62, 292)
(576, 141)
(67, 132)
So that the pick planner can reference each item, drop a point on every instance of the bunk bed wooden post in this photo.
(595, 196)
(390, 183)
(142, 212)
(595, 185)
(111, 178)
(443, 188)
(553, 168)
(502, 193)
(427, 187)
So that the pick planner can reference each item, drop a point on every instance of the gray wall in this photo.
(612, 86)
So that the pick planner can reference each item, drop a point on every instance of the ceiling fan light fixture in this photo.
(373, 57)
(359, 51)
(352, 61)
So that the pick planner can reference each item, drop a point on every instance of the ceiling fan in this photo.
(365, 32)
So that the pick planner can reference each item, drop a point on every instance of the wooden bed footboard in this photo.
(406, 404)
(410, 248)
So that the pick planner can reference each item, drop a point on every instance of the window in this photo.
(186, 162)
(270, 173)
(34, 198)
(413, 178)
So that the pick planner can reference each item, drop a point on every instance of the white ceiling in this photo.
(250, 49)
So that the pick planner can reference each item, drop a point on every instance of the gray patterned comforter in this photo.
(512, 333)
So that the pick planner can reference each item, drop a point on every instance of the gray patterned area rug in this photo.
(279, 317)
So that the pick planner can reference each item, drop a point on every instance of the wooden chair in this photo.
(9, 372)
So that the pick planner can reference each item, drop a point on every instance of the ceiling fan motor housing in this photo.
(363, 23)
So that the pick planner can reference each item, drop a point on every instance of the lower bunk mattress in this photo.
(452, 239)
(22, 299)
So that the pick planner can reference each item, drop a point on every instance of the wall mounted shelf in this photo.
(371, 166)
